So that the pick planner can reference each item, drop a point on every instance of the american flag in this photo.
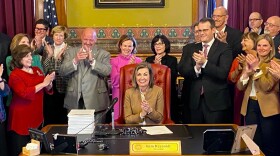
(50, 12)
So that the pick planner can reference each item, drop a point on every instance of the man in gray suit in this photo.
(87, 66)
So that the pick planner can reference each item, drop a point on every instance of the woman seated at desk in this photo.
(143, 103)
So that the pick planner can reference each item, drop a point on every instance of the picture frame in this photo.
(129, 3)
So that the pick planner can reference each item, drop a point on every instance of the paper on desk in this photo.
(157, 130)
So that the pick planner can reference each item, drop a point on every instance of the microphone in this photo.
(114, 101)
(82, 144)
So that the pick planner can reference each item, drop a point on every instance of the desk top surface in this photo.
(191, 137)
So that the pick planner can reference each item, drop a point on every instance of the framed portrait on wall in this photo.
(129, 3)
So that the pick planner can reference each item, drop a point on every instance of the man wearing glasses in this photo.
(255, 23)
(41, 38)
(206, 66)
(226, 34)
(272, 27)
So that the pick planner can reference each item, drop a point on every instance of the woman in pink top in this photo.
(127, 48)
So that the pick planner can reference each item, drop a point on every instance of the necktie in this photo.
(205, 49)
(205, 55)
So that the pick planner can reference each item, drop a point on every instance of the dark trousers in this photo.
(54, 111)
(98, 116)
(267, 135)
(3, 143)
(16, 142)
(204, 115)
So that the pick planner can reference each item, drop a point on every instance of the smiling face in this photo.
(41, 31)
(263, 48)
(206, 33)
(272, 26)
(25, 41)
(159, 47)
(88, 38)
(126, 47)
(26, 61)
(247, 44)
(58, 38)
(143, 78)
(220, 17)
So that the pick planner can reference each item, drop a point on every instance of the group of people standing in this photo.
(48, 78)
(225, 67)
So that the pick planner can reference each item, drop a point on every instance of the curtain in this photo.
(17, 16)
(211, 5)
(239, 11)
(61, 12)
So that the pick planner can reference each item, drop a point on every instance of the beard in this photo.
(266, 31)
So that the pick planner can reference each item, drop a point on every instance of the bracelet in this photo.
(3, 80)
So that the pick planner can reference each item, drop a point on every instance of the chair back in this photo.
(162, 78)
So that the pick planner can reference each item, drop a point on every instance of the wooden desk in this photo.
(119, 145)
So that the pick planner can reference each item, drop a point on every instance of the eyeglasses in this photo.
(254, 19)
(159, 44)
(270, 24)
(40, 29)
(217, 16)
(203, 30)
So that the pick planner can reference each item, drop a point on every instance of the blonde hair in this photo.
(141, 66)
(16, 39)
(59, 29)
(271, 43)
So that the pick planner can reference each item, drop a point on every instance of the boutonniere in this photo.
(40, 73)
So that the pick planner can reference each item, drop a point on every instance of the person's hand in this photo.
(33, 44)
(158, 59)
(49, 49)
(274, 69)
(199, 58)
(256, 30)
(145, 107)
(241, 59)
(1, 70)
(48, 79)
(252, 61)
(62, 52)
(38, 41)
(132, 59)
(246, 30)
(81, 55)
(222, 36)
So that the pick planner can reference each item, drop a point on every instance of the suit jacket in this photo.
(276, 40)
(186, 84)
(267, 91)
(233, 39)
(86, 81)
(213, 77)
(50, 65)
(4, 51)
(132, 105)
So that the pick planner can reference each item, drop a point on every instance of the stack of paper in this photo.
(80, 121)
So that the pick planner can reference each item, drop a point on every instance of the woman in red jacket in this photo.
(26, 109)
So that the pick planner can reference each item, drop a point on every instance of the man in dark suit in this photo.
(255, 23)
(207, 71)
(186, 84)
(5, 41)
(272, 27)
(225, 33)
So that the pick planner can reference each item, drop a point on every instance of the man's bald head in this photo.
(88, 37)
(272, 26)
